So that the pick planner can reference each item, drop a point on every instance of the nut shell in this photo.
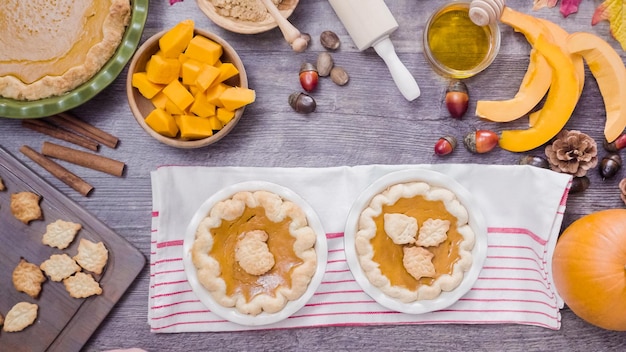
(324, 63)
(330, 40)
(610, 165)
(339, 76)
(302, 103)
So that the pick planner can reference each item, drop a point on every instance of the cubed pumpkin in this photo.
(175, 40)
(162, 122)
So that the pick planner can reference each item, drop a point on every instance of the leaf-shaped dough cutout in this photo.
(613, 11)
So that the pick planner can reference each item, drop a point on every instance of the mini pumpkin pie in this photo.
(48, 48)
(255, 252)
(413, 241)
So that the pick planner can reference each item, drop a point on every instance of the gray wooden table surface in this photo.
(364, 122)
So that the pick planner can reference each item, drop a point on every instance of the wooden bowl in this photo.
(232, 24)
(141, 107)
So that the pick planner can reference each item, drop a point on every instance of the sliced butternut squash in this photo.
(608, 69)
(560, 37)
(558, 106)
(536, 81)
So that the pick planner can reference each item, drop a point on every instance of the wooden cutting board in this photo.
(63, 323)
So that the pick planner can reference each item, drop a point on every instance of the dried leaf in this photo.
(539, 4)
(172, 2)
(569, 7)
(613, 11)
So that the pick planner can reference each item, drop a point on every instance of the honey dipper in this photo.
(484, 12)
(292, 35)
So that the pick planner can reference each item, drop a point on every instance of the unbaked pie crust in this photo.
(381, 259)
(290, 240)
(48, 48)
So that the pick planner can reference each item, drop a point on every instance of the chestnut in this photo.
(579, 184)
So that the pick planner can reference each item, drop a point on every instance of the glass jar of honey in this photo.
(455, 46)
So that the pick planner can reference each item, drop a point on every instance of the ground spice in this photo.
(247, 10)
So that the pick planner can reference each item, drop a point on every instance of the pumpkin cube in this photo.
(207, 76)
(201, 106)
(215, 123)
(214, 92)
(174, 41)
(178, 94)
(227, 70)
(224, 115)
(172, 108)
(190, 70)
(148, 89)
(161, 70)
(204, 50)
(194, 127)
(235, 97)
(159, 100)
(162, 122)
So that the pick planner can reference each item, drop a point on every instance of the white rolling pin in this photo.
(369, 23)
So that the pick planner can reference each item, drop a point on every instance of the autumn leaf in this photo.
(613, 11)
(172, 2)
(569, 7)
(538, 4)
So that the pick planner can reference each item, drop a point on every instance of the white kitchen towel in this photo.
(522, 205)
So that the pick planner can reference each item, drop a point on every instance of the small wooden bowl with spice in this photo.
(245, 16)
(141, 107)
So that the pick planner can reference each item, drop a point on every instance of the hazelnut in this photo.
(330, 40)
(339, 75)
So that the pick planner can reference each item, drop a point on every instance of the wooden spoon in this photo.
(292, 35)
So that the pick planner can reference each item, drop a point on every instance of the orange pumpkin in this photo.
(589, 268)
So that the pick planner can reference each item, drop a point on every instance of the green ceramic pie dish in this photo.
(49, 106)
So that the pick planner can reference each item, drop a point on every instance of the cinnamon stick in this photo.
(77, 125)
(66, 176)
(78, 157)
(59, 133)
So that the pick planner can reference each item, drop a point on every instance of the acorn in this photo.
(618, 144)
(302, 102)
(579, 184)
(308, 76)
(480, 141)
(534, 160)
(445, 145)
(457, 99)
(610, 165)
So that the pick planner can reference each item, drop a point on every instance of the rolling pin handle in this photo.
(400, 74)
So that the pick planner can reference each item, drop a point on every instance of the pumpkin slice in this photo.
(536, 81)
(608, 69)
(558, 107)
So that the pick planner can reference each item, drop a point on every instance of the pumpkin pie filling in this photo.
(389, 254)
(280, 243)
(255, 252)
(50, 47)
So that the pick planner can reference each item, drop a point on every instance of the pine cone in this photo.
(622, 189)
(572, 152)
